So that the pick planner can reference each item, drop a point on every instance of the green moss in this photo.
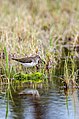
(33, 77)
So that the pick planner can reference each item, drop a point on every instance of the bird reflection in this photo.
(26, 106)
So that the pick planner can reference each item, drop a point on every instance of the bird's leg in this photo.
(24, 69)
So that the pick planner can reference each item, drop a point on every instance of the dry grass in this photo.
(28, 27)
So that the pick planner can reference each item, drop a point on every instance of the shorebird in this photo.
(29, 61)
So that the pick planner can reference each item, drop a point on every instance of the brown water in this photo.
(54, 103)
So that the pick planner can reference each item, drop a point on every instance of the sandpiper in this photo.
(29, 61)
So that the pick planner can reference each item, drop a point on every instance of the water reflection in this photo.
(54, 103)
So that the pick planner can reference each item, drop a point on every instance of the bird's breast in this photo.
(29, 64)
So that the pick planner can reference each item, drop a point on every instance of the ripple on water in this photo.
(53, 104)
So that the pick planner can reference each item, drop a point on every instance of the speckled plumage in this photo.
(29, 61)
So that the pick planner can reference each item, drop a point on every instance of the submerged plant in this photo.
(8, 72)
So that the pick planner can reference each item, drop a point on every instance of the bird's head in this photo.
(39, 59)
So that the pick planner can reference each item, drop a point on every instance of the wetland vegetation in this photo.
(50, 29)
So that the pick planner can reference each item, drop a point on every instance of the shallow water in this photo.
(53, 103)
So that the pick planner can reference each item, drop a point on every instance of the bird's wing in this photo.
(23, 60)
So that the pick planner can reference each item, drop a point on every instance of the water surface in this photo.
(54, 103)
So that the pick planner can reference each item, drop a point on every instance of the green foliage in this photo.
(70, 72)
(69, 68)
(8, 70)
(33, 77)
(7, 63)
(66, 70)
